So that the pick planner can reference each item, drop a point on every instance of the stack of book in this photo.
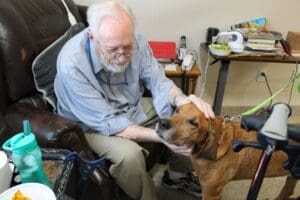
(263, 40)
(261, 44)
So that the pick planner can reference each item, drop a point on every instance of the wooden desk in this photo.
(224, 66)
(192, 75)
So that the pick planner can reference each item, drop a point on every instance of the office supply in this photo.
(170, 67)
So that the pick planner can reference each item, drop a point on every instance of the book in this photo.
(262, 41)
(260, 46)
(258, 24)
(270, 35)
(257, 29)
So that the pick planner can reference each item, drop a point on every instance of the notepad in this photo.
(170, 67)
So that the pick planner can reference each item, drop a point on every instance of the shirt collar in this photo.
(95, 59)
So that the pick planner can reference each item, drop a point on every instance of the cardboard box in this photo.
(293, 40)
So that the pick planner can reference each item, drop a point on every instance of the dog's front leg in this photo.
(211, 193)
(211, 188)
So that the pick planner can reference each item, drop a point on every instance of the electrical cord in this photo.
(204, 76)
(267, 109)
(293, 83)
(268, 87)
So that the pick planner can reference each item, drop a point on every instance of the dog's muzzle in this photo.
(162, 126)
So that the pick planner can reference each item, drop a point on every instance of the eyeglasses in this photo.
(116, 52)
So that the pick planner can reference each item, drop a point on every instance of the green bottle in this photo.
(27, 156)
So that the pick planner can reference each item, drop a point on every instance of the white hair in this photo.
(97, 11)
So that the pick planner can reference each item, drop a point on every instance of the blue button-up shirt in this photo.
(104, 101)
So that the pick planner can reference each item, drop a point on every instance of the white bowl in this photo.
(34, 191)
(219, 49)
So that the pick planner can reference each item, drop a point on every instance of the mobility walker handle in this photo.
(271, 137)
(256, 122)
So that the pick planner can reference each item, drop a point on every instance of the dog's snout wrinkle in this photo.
(164, 124)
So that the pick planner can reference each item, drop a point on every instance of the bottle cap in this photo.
(22, 142)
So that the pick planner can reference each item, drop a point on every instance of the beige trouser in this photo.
(128, 160)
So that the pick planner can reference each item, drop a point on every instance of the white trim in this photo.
(71, 17)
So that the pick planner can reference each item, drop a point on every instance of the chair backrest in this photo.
(26, 28)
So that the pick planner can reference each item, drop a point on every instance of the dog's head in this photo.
(188, 125)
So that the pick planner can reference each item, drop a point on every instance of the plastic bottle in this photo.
(27, 156)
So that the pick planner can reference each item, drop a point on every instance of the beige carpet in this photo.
(236, 190)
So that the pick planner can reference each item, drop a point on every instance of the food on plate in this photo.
(219, 49)
(19, 196)
(220, 46)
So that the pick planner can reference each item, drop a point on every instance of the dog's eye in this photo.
(177, 110)
(194, 122)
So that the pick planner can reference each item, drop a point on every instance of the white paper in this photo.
(170, 67)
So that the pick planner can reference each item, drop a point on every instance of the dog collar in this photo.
(206, 140)
(228, 118)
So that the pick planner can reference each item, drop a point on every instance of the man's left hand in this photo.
(203, 106)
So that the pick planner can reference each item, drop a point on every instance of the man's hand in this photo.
(202, 105)
(177, 98)
(186, 149)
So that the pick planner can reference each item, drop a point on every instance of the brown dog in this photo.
(213, 160)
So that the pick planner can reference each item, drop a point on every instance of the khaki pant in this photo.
(128, 159)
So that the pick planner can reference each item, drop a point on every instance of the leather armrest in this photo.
(51, 130)
(48, 127)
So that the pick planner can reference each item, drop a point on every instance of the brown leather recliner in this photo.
(26, 28)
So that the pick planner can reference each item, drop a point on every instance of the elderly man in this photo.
(101, 75)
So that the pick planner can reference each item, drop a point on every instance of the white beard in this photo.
(114, 67)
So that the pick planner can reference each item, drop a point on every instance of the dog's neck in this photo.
(208, 148)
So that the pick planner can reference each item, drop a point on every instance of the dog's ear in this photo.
(224, 143)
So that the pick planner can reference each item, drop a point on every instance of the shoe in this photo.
(189, 183)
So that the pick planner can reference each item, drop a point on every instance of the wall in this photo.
(169, 19)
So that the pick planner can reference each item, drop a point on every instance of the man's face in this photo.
(114, 43)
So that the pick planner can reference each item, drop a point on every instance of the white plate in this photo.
(35, 191)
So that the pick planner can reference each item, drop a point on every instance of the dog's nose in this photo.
(164, 124)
